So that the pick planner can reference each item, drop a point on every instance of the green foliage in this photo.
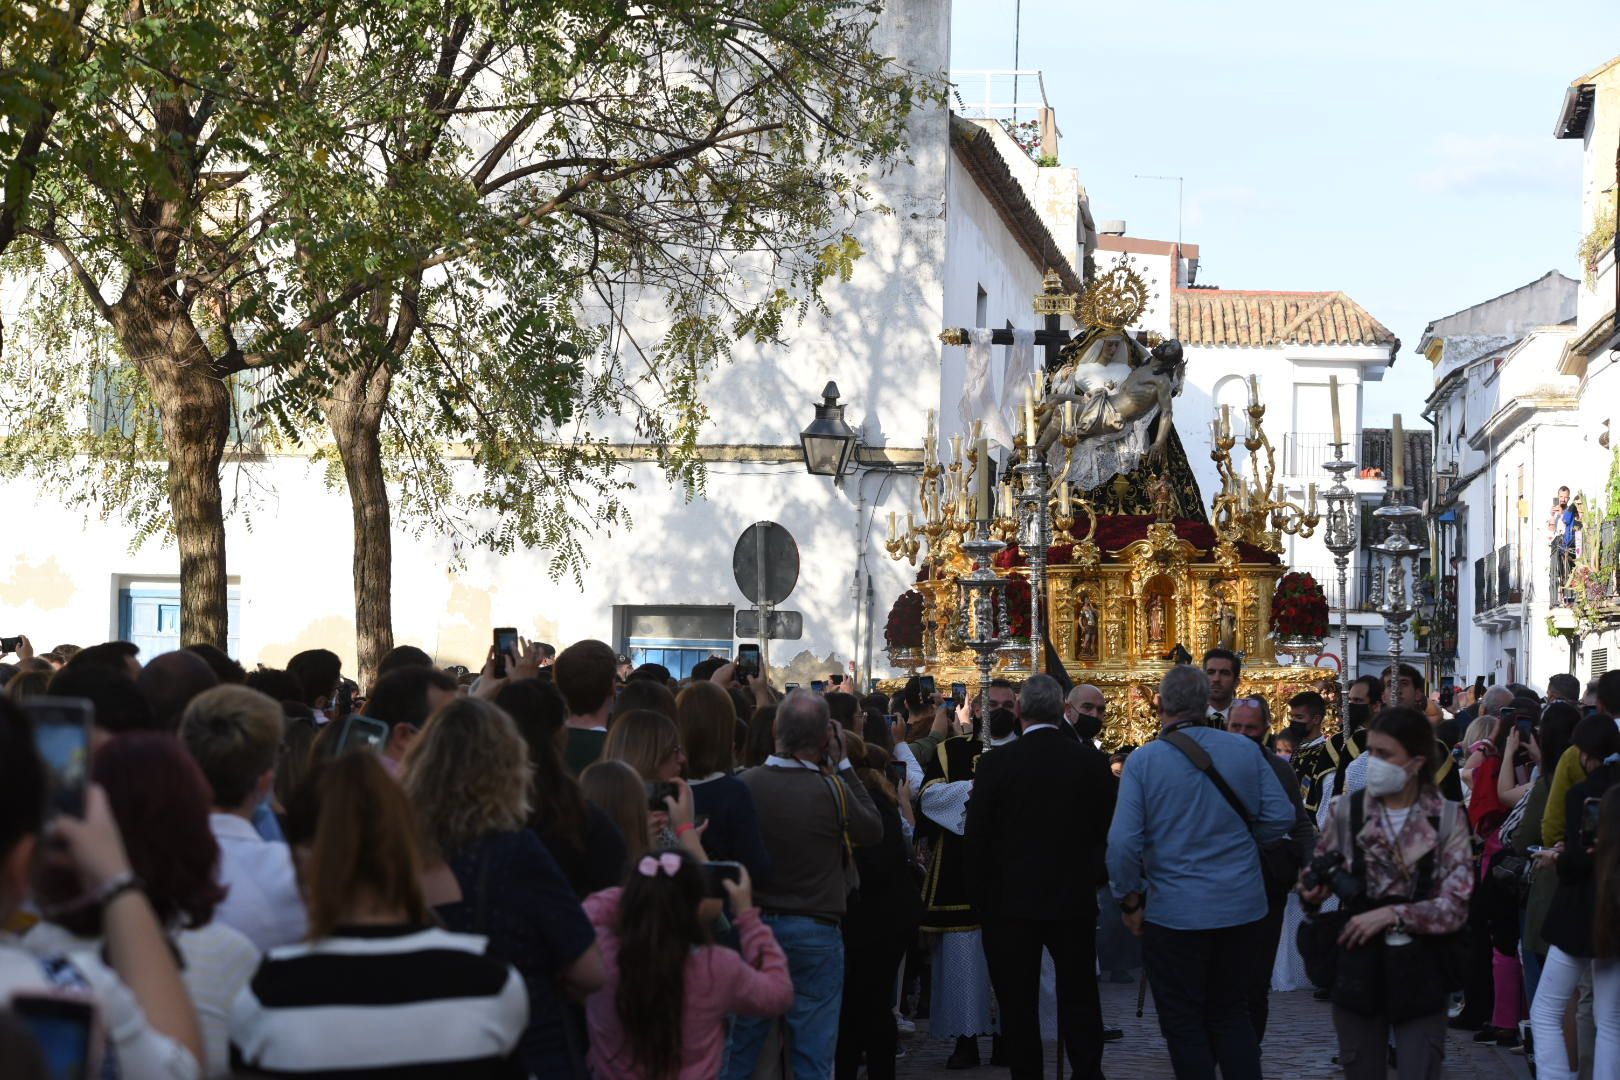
(460, 212)
(1598, 241)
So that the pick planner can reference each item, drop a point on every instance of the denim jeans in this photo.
(1199, 980)
(815, 956)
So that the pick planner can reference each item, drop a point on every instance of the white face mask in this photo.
(1385, 777)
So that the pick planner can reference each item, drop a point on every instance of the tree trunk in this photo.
(195, 408)
(356, 414)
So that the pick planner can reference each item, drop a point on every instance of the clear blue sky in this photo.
(1399, 150)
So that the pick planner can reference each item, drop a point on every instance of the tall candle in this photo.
(894, 525)
(1333, 396)
(978, 430)
(983, 469)
(1310, 498)
(1063, 499)
(1004, 500)
(1280, 496)
(956, 449)
(1029, 416)
(1254, 391)
(1068, 417)
(1400, 453)
(1226, 420)
(911, 525)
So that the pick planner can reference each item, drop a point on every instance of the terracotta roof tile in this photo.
(1243, 318)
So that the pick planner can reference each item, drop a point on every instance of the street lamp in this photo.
(828, 442)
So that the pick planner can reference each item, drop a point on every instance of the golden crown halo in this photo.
(1115, 299)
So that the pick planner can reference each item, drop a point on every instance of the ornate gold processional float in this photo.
(1096, 534)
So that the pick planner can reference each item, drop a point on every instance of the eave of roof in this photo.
(1251, 318)
(993, 176)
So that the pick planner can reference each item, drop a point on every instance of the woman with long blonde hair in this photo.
(467, 774)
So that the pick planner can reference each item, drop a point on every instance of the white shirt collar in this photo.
(1039, 727)
(232, 827)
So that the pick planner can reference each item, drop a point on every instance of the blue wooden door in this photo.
(149, 616)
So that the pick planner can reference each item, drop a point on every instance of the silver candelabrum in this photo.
(1035, 534)
(1399, 550)
(982, 612)
(1342, 539)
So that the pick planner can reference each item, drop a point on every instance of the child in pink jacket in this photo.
(662, 1013)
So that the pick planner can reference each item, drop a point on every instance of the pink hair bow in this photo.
(669, 862)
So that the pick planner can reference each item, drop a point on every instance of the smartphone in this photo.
(65, 1030)
(959, 692)
(928, 687)
(836, 679)
(62, 734)
(1590, 812)
(9, 645)
(345, 698)
(792, 686)
(716, 874)
(1358, 714)
(506, 641)
(658, 792)
(1526, 730)
(747, 661)
(896, 771)
(871, 686)
(818, 686)
(362, 733)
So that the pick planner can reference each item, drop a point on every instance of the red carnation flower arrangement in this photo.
(904, 629)
(1009, 557)
(1016, 598)
(1299, 608)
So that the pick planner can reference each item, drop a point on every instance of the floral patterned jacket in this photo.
(1392, 861)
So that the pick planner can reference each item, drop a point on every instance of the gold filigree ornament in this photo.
(1115, 299)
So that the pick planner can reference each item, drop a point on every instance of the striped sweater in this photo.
(381, 1001)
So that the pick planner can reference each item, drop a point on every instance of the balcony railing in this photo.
(1304, 453)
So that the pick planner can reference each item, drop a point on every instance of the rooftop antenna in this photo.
(1180, 181)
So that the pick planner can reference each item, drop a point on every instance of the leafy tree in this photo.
(422, 222)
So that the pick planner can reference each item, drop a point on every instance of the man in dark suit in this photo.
(1036, 827)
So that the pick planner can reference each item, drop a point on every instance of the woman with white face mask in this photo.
(1406, 849)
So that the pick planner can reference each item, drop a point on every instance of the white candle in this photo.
(1400, 453)
(1280, 496)
(1310, 498)
(1333, 396)
(978, 430)
(983, 469)
(1254, 391)
(894, 524)
(956, 449)
(911, 525)
(1068, 418)
(1004, 494)
(1226, 420)
(1029, 416)
(1063, 500)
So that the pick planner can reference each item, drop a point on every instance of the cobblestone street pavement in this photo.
(1299, 1046)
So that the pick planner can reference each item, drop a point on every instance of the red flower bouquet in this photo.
(1009, 557)
(1016, 598)
(904, 629)
(1299, 608)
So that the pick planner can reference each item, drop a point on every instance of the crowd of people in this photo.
(566, 866)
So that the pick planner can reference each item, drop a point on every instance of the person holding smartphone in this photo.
(135, 982)
(1572, 919)
(670, 988)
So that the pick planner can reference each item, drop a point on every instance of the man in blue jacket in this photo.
(1185, 867)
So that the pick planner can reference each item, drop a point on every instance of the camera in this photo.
(1328, 869)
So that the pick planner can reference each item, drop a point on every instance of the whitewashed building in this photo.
(1505, 438)
(975, 224)
(1589, 113)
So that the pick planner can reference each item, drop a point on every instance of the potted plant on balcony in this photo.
(903, 633)
(1299, 615)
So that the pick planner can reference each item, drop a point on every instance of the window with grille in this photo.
(1600, 662)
